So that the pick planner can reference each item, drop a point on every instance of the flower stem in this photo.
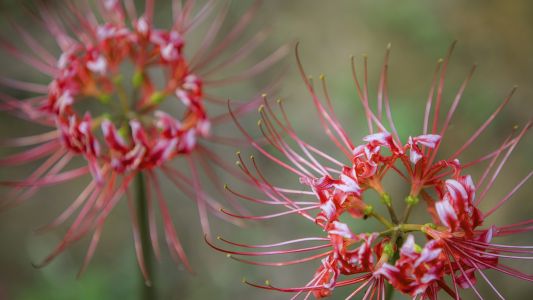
(389, 294)
(403, 228)
(147, 288)
(411, 201)
(386, 199)
(381, 219)
(410, 227)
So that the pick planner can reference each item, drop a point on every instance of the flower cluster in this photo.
(124, 95)
(146, 137)
(446, 253)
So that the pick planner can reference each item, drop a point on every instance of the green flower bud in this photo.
(411, 200)
(157, 98)
(386, 199)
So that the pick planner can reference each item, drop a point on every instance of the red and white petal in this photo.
(341, 229)
(348, 185)
(446, 214)
(415, 154)
(456, 191)
(380, 138)
(428, 140)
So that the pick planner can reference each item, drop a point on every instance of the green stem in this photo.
(411, 201)
(404, 228)
(411, 227)
(389, 294)
(381, 219)
(388, 250)
(386, 199)
(407, 212)
(392, 214)
(147, 288)
(123, 98)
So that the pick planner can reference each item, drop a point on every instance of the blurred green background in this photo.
(497, 35)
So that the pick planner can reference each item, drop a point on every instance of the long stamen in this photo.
(441, 87)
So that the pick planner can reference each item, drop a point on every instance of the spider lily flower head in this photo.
(450, 250)
(125, 96)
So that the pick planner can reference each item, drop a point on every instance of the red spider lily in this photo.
(125, 132)
(456, 247)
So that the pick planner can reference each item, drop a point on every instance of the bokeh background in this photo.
(497, 35)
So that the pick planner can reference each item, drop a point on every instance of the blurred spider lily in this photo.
(455, 240)
(124, 96)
